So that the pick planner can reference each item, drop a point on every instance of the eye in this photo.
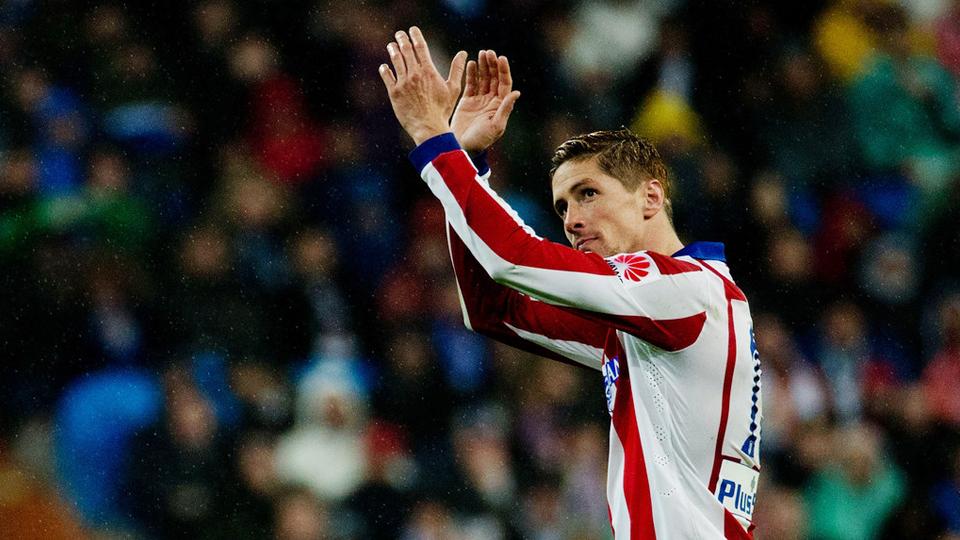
(589, 192)
(560, 207)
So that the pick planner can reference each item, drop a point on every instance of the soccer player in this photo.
(664, 323)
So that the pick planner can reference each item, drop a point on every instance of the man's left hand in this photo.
(422, 100)
(488, 99)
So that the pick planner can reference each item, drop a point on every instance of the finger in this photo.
(471, 85)
(399, 65)
(482, 79)
(506, 80)
(388, 79)
(505, 108)
(420, 46)
(406, 50)
(457, 65)
(492, 72)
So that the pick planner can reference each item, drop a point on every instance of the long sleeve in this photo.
(510, 317)
(651, 296)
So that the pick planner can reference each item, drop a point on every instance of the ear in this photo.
(654, 197)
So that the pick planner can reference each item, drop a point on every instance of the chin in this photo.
(599, 250)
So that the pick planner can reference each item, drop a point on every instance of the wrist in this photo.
(423, 133)
(470, 146)
(427, 151)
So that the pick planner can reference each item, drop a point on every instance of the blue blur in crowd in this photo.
(96, 419)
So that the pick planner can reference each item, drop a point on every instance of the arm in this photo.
(513, 318)
(665, 309)
(489, 308)
(510, 317)
(481, 117)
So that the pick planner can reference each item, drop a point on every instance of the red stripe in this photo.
(553, 322)
(725, 404)
(740, 461)
(489, 304)
(636, 486)
(727, 377)
(732, 529)
(730, 288)
(668, 334)
(498, 229)
(669, 266)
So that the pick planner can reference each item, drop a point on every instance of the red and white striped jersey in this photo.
(671, 336)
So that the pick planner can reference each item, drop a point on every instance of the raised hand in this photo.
(488, 98)
(422, 100)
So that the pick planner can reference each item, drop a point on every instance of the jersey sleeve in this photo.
(657, 298)
(514, 318)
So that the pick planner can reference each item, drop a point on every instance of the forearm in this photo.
(507, 316)
(510, 252)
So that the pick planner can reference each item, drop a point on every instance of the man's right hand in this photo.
(481, 116)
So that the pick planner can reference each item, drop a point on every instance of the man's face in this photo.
(599, 214)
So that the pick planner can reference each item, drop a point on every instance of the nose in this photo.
(572, 220)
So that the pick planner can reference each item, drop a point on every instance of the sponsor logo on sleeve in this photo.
(611, 372)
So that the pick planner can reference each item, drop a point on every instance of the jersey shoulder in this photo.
(648, 266)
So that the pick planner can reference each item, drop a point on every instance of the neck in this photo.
(661, 238)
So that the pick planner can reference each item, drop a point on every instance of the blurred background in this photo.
(228, 312)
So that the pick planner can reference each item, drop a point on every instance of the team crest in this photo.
(632, 267)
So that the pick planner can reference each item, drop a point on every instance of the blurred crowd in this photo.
(228, 310)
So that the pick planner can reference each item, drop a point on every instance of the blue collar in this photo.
(711, 251)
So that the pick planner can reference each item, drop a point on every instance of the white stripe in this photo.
(672, 493)
(579, 352)
(619, 516)
(463, 304)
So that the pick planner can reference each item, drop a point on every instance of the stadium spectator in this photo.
(948, 39)
(178, 464)
(330, 423)
(60, 131)
(284, 138)
(943, 371)
(299, 515)
(905, 114)
(946, 496)
(806, 129)
(853, 495)
(249, 496)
